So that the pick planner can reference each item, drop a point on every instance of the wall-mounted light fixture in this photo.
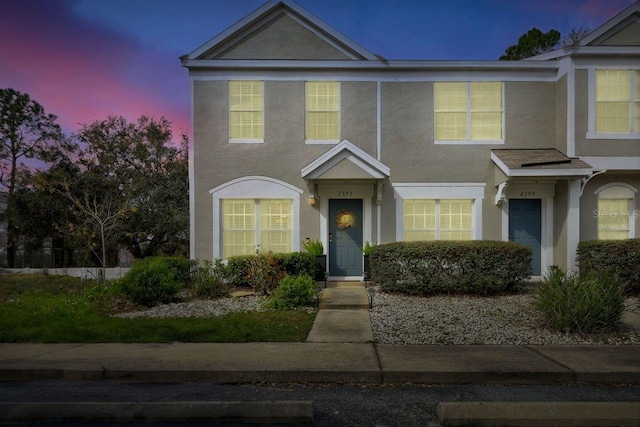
(312, 199)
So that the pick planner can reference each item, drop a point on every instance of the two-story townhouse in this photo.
(300, 133)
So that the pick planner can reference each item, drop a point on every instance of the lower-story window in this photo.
(446, 219)
(613, 219)
(249, 225)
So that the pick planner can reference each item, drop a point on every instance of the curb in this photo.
(625, 414)
(283, 412)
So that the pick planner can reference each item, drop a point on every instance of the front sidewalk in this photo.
(322, 363)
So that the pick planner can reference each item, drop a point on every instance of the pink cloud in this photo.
(82, 72)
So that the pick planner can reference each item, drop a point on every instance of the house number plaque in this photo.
(346, 193)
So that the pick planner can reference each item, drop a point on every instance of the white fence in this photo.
(82, 272)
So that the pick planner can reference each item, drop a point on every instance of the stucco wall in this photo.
(283, 38)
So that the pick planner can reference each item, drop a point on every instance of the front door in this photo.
(345, 237)
(525, 227)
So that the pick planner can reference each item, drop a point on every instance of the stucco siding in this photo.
(530, 115)
(561, 114)
(628, 36)
(283, 38)
(359, 114)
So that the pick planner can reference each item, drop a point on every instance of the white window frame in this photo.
(246, 140)
(469, 141)
(441, 191)
(591, 125)
(254, 187)
(620, 190)
(323, 141)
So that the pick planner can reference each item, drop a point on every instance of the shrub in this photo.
(292, 292)
(476, 267)
(208, 281)
(580, 304)
(238, 268)
(297, 263)
(264, 273)
(150, 281)
(619, 257)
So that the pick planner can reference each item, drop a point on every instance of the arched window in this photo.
(615, 213)
(255, 213)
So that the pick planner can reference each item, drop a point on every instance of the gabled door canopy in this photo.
(346, 162)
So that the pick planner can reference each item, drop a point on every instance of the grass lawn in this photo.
(49, 309)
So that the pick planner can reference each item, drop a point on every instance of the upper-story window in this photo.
(469, 112)
(618, 101)
(246, 106)
(322, 112)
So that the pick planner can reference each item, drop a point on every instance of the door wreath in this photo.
(345, 219)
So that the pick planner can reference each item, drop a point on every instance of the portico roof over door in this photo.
(343, 162)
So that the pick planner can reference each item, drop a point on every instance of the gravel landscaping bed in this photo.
(450, 320)
(202, 308)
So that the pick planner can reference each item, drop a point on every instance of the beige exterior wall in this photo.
(561, 114)
(283, 38)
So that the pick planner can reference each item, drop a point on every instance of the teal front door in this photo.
(525, 227)
(345, 237)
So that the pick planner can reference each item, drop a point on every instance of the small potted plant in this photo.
(315, 247)
(366, 250)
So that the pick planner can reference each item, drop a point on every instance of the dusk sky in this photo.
(84, 60)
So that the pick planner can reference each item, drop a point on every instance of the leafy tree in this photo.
(534, 42)
(576, 34)
(26, 132)
(151, 175)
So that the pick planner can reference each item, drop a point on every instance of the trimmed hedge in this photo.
(446, 267)
(618, 257)
(293, 264)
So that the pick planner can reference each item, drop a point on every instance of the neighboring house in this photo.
(301, 133)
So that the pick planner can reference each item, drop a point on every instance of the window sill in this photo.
(321, 141)
(483, 142)
(613, 135)
(246, 141)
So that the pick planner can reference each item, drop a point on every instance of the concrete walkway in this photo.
(343, 316)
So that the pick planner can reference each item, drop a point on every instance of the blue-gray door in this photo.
(345, 240)
(525, 227)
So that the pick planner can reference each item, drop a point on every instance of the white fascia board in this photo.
(231, 30)
(351, 47)
(519, 172)
(330, 30)
(372, 64)
(598, 32)
(613, 163)
(503, 167)
(377, 166)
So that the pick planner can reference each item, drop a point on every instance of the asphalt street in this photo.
(334, 404)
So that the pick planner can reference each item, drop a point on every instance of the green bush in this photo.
(297, 263)
(238, 268)
(292, 292)
(264, 273)
(445, 267)
(580, 303)
(619, 257)
(151, 281)
(208, 281)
